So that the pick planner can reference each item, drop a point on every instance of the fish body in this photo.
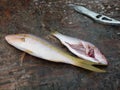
(36, 47)
(42, 49)
(82, 49)
(95, 16)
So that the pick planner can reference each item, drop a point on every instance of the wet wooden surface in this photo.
(39, 17)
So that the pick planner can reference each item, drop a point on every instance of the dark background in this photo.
(39, 17)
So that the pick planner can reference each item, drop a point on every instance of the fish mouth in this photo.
(104, 62)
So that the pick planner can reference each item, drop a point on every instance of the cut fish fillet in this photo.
(82, 48)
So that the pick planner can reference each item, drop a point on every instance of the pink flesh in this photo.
(91, 53)
(81, 49)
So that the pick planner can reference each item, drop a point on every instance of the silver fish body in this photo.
(95, 16)
(36, 47)
(82, 49)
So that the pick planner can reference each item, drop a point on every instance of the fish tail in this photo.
(87, 65)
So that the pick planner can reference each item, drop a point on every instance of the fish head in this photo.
(16, 40)
(94, 53)
(82, 49)
(100, 57)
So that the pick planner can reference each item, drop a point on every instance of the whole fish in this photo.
(82, 48)
(42, 49)
(95, 16)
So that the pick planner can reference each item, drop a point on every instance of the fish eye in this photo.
(22, 39)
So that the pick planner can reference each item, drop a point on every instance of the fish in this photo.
(95, 16)
(41, 48)
(82, 49)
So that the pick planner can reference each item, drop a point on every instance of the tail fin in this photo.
(87, 65)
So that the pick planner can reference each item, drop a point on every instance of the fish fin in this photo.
(100, 64)
(54, 32)
(22, 58)
(86, 65)
(89, 67)
(90, 62)
(28, 51)
(86, 62)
